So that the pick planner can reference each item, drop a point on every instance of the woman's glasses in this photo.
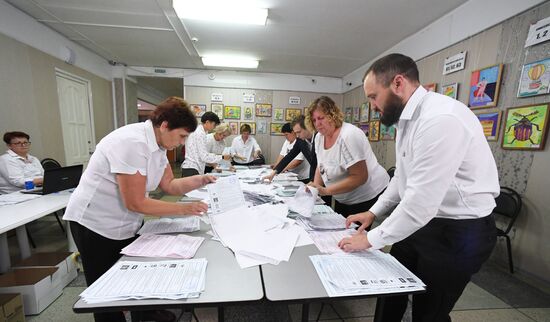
(21, 143)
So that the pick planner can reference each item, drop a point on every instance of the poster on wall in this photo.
(198, 109)
(217, 109)
(356, 114)
(278, 114)
(538, 32)
(365, 128)
(263, 109)
(526, 127)
(248, 113)
(490, 122)
(374, 130)
(234, 128)
(276, 128)
(387, 133)
(454, 63)
(292, 113)
(262, 127)
(364, 113)
(450, 90)
(484, 86)
(535, 78)
(374, 115)
(348, 114)
(232, 112)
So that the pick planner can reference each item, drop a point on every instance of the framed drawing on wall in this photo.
(374, 115)
(234, 126)
(450, 90)
(356, 114)
(278, 115)
(348, 114)
(263, 110)
(387, 133)
(432, 87)
(262, 127)
(364, 113)
(198, 109)
(275, 128)
(365, 128)
(535, 78)
(217, 109)
(526, 127)
(248, 113)
(485, 86)
(292, 113)
(252, 126)
(490, 122)
(374, 131)
(232, 112)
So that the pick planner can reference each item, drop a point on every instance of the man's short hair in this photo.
(300, 119)
(286, 128)
(388, 66)
(210, 116)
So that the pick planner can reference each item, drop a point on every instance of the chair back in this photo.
(49, 163)
(508, 205)
(391, 172)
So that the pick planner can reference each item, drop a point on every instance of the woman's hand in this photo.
(321, 190)
(355, 243)
(194, 208)
(270, 176)
(206, 179)
(365, 218)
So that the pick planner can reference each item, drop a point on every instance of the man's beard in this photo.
(392, 110)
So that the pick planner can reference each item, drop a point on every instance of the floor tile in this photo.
(474, 297)
(537, 314)
(500, 315)
(62, 309)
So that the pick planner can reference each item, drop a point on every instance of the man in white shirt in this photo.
(443, 191)
(297, 165)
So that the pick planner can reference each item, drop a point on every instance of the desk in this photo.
(17, 215)
(226, 283)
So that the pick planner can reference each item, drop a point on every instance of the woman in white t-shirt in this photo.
(347, 169)
(106, 209)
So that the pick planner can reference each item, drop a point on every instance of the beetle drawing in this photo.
(523, 128)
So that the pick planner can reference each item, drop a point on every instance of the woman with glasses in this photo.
(17, 165)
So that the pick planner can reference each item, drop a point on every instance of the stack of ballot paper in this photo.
(371, 272)
(16, 197)
(185, 224)
(225, 194)
(327, 241)
(174, 279)
(327, 221)
(149, 245)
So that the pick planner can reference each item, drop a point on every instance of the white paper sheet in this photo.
(169, 246)
(185, 224)
(327, 241)
(304, 201)
(225, 194)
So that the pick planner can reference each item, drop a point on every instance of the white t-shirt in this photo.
(213, 146)
(96, 203)
(303, 169)
(350, 147)
(14, 170)
(238, 146)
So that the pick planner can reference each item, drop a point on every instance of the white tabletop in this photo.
(13, 216)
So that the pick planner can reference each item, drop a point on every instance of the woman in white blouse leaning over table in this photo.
(215, 143)
(347, 169)
(106, 209)
(196, 154)
(17, 165)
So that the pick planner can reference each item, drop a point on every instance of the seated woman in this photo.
(196, 155)
(17, 165)
(106, 209)
(347, 169)
(245, 150)
(215, 143)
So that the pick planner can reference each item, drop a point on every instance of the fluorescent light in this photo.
(238, 12)
(230, 61)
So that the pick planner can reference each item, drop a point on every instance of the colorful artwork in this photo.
(535, 79)
(292, 113)
(217, 108)
(374, 115)
(232, 112)
(263, 110)
(484, 86)
(198, 109)
(387, 133)
(450, 90)
(348, 114)
(432, 87)
(248, 113)
(364, 112)
(234, 128)
(526, 127)
(252, 126)
(490, 122)
(262, 126)
(278, 114)
(356, 114)
(374, 130)
(365, 128)
(275, 128)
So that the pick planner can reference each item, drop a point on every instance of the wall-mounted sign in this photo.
(538, 32)
(248, 98)
(294, 100)
(454, 63)
(216, 97)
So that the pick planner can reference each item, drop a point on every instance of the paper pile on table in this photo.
(185, 224)
(170, 246)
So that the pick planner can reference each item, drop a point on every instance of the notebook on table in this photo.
(58, 179)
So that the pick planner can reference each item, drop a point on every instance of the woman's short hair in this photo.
(326, 105)
(8, 136)
(246, 128)
(223, 128)
(177, 114)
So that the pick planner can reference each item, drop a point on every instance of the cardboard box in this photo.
(62, 260)
(11, 308)
(34, 284)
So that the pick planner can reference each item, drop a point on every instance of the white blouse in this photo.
(196, 155)
(350, 147)
(238, 146)
(96, 203)
(213, 146)
(14, 170)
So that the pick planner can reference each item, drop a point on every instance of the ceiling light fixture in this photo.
(238, 12)
(230, 61)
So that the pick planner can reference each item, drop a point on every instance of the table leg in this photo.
(23, 241)
(305, 312)
(5, 263)
(220, 314)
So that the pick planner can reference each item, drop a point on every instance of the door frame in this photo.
(62, 73)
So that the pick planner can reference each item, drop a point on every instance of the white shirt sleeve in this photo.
(127, 157)
(353, 148)
(438, 152)
(284, 149)
(198, 147)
